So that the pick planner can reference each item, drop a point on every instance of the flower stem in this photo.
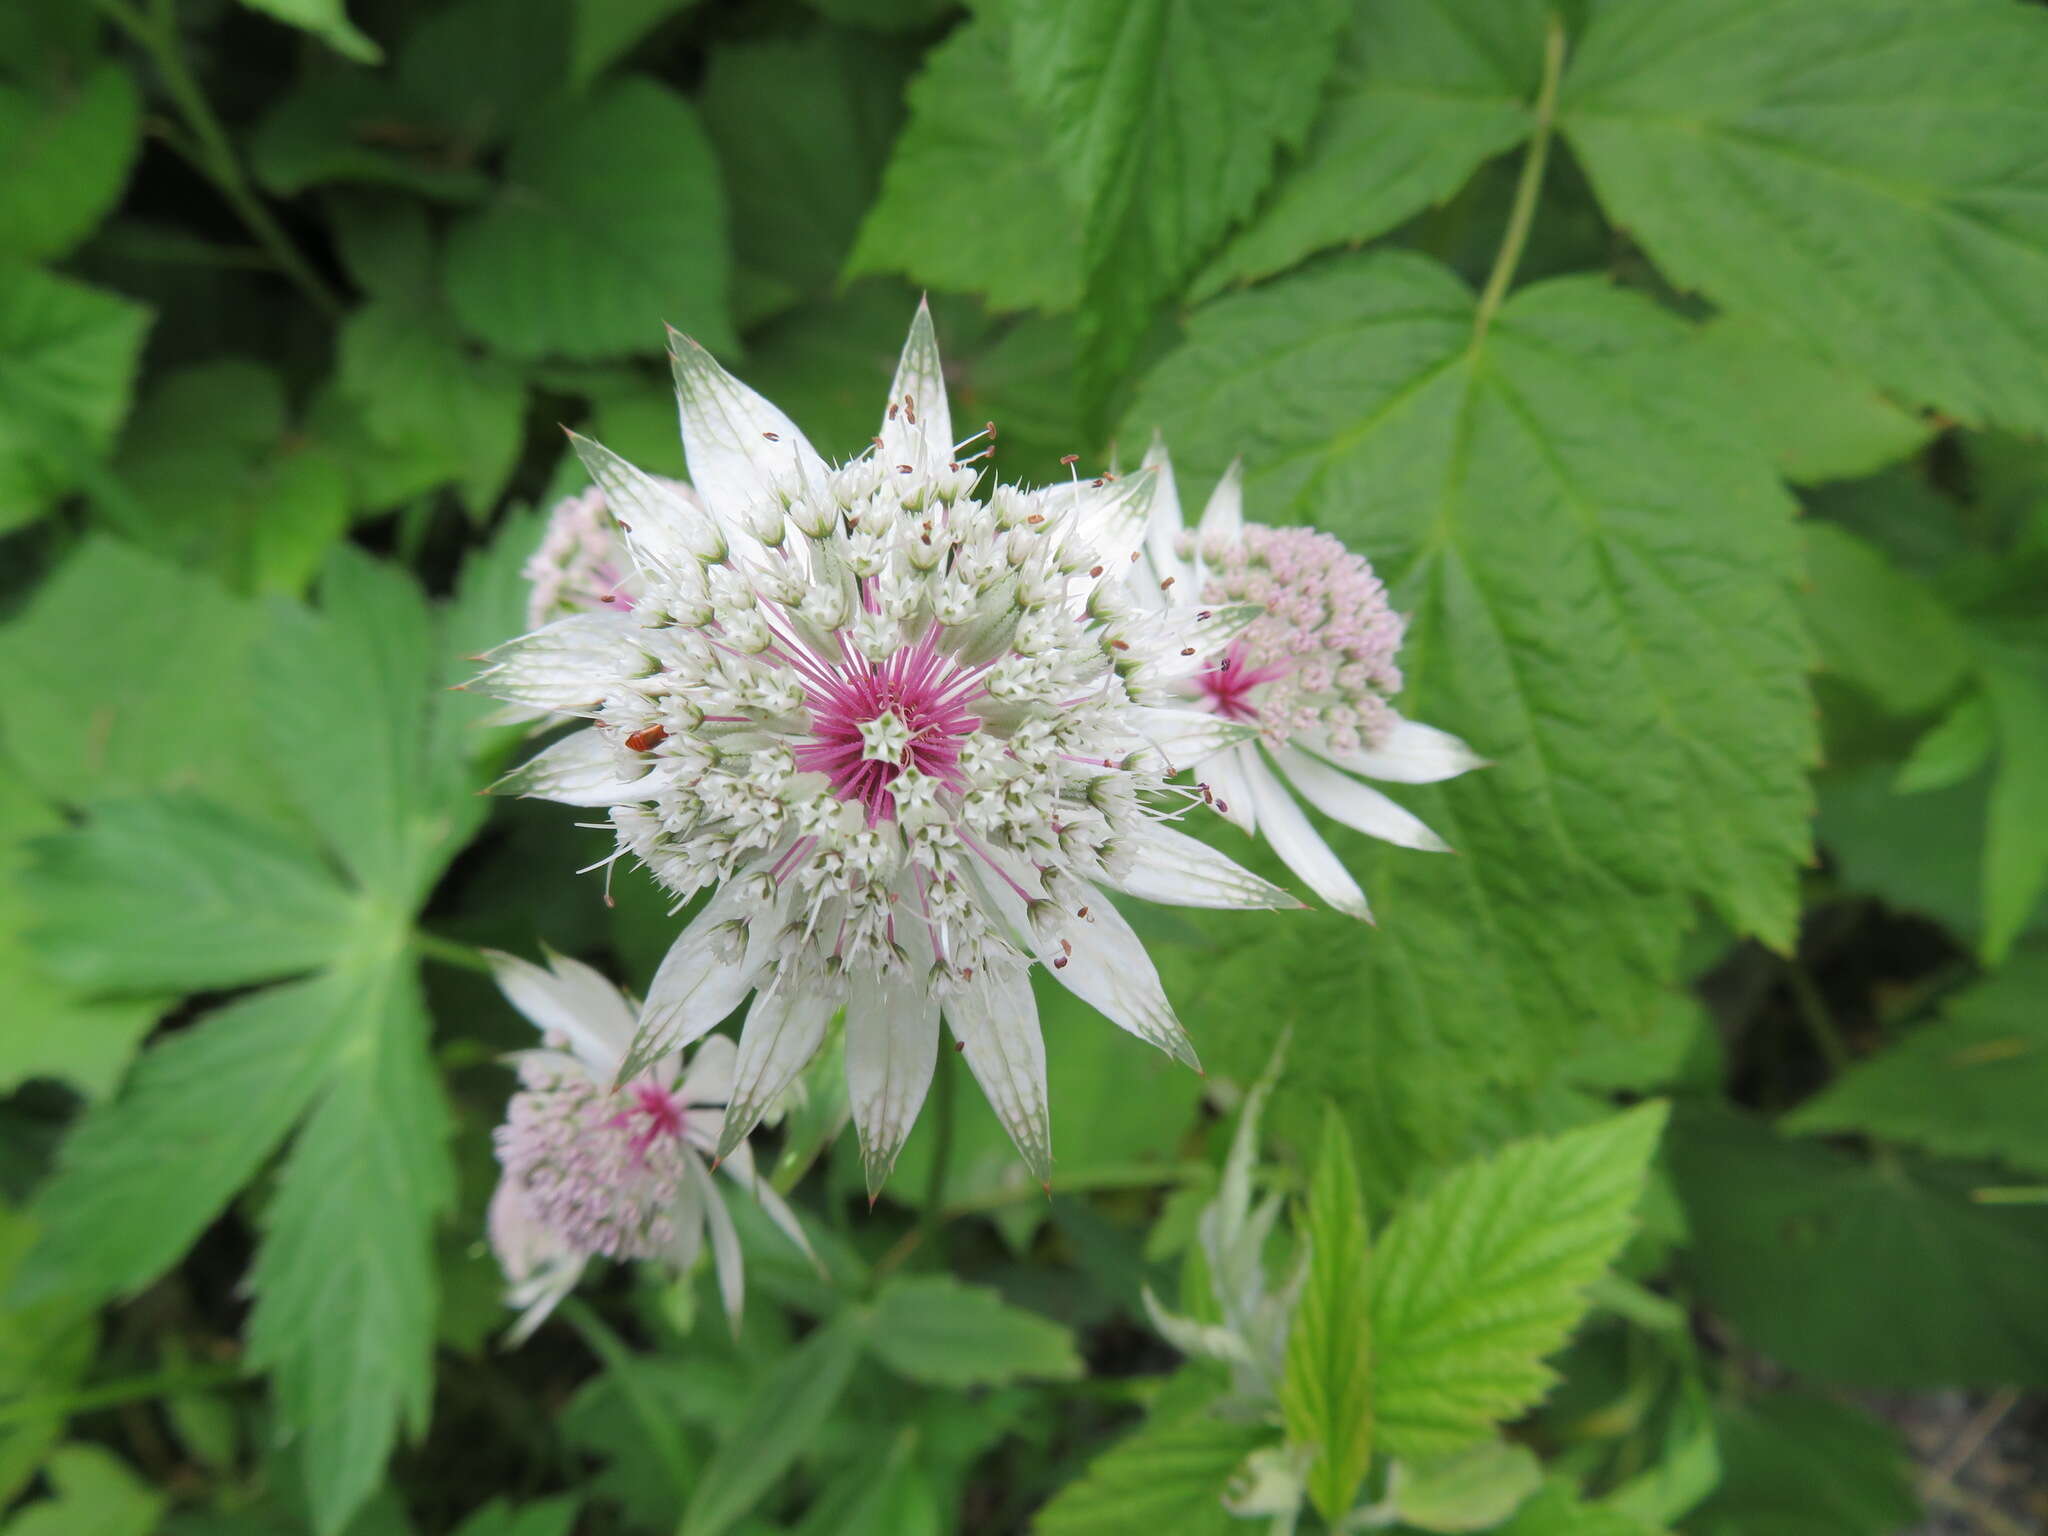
(1523, 213)
(450, 952)
(112, 1394)
(618, 1362)
(212, 152)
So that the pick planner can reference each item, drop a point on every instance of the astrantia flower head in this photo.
(908, 724)
(1313, 677)
(598, 1171)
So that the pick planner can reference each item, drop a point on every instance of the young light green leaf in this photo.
(1821, 421)
(933, 1329)
(326, 20)
(1972, 1084)
(65, 153)
(1167, 1475)
(1952, 751)
(1424, 92)
(177, 893)
(1470, 1490)
(127, 675)
(344, 1284)
(2016, 829)
(611, 221)
(223, 1093)
(1485, 1275)
(1878, 1275)
(1013, 242)
(1558, 510)
(1165, 118)
(1326, 1393)
(774, 1427)
(67, 360)
(1559, 1511)
(1877, 626)
(1753, 147)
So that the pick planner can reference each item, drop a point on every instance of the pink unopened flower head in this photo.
(1321, 657)
(599, 1169)
(1314, 675)
(582, 565)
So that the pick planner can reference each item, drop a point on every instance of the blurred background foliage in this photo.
(1724, 526)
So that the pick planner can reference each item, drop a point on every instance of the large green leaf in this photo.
(611, 222)
(1865, 173)
(1556, 506)
(91, 1489)
(1799, 1465)
(1424, 91)
(935, 1330)
(126, 675)
(67, 360)
(345, 1290)
(85, 1042)
(1878, 627)
(2016, 824)
(223, 1093)
(1972, 1084)
(64, 157)
(1326, 1393)
(45, 1347)
(1477, 1281)
(1165, 118)
(1013, 241)
(1167, 1475)
(1880, 1274)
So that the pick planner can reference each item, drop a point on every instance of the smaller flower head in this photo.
(597, 1171)
(582, 564)
(1315, 675)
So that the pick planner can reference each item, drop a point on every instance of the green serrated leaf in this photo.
(1970, 1085)
(1424, 92)
(1167, 1475)
(1754, 148)
(344, 1284)
(1802, 1465)
(601, 31)
(45, 1348)
(85, 1042)
(1014, 241)
(326, 20)
(67, 361)
(65, 154)
(1878, 1274)
(1878, 627)
(1165, 116)
(1950, 752)
(1558, 509)
(612, 221)
(176, 894)
(360, 130)
(501, 1517)
(774, 1427)
(852, 90)
(933, 1329)
(1558, 1511)
(479, 69)
(224, 1093)
(1326, 1393)
(2016, 826)
(1481, 1278)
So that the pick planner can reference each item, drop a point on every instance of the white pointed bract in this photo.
(1313, 678)
(592, 1170)
(906, 724)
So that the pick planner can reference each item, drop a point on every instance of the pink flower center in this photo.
(1228, 686)
(663, 1116)
(924, 696)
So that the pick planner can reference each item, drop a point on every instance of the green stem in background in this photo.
(618, 1361)
(1523, 212)
(212, 152)
(450, 952)
(1820, 1023)
(933, 1214)
(112, 1394)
